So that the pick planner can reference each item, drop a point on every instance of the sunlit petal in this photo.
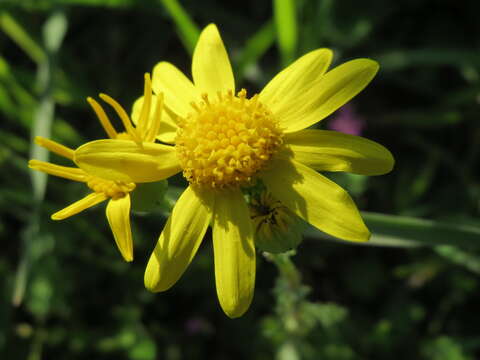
(80, 205)
(103, 118)
(118, 215)
(316, 199)
(54, 147)
(234, 253)
(124, 160)
(211, 67)
(178, 89)
(334, 151)
(296, 79)
(168, 127)
(66, 172)
(179, 240)
(328, 93)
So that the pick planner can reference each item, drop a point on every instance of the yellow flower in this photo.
(225, 140)
(117, 192)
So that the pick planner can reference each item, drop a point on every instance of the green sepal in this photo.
(148, 197)
(280, 241)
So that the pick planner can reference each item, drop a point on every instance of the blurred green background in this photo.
(65, 292)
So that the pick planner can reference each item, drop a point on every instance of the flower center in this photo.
(112, 189)
(226, 140)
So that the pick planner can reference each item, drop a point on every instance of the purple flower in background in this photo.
(347, 121)
(198, 325)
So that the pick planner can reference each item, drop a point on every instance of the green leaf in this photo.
(149, 196)
(402, 58)
(187, 29)
(328, 314)
(54, 31)
(403, 231)
(21, 37)
(444, 348)
(144, 349)
(286, 23)
(418, 118)
(255, 47)
(460, 257)
(50, 4)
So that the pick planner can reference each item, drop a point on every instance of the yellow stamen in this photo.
(103, 118)
(226, 141)
(65, 172)
(124, 117)
(55, 147)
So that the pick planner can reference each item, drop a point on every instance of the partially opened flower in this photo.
(226, 140)
(116, 192)
(276, 228)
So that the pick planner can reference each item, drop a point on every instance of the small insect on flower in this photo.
(226, 141)
(116, 192)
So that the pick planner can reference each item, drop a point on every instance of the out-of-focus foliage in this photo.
(65, 292)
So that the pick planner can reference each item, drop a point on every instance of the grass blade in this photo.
(255, 47)
(403, 231)
(187, 29)
(54, 32)
(20, 36)
(286, 24)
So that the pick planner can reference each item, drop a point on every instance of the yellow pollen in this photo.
(227, 140)
(112, 189)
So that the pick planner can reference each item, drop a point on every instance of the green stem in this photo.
(290, 294)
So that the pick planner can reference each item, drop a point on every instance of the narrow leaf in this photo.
(286, 23)
(186, 28)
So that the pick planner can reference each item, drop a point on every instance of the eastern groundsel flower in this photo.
(117, 192)
(225, 141)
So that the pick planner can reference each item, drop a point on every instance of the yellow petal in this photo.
(65, 172)
(122, 114)
(80, 205)
(118, 215)
(54, 147)
(316, 199)
(211, 67)
(137, 108)
(124, 160)
(103, 118)
(328, 93)
(334, 151)
(234, 253)
(178, 90)
(168, 127)
(296, 79)
(179, 240)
